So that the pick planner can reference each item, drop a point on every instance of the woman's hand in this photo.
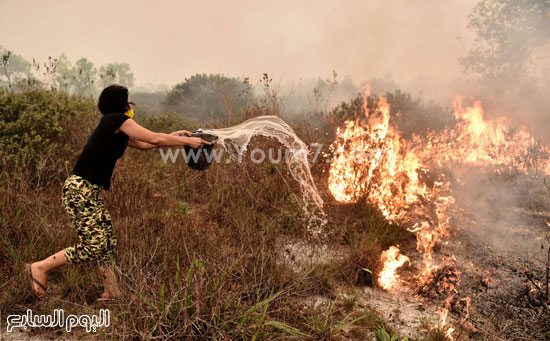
(181, 132)
(196, 142)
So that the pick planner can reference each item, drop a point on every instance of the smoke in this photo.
(291, 41)
(504, 211)
(509, 71)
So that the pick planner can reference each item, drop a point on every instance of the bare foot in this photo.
(109, 295)
(110, 284)
(41, 276)
(111, 291)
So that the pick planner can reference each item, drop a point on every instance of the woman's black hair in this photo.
(113, 98)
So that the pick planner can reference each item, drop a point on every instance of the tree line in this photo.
(511, 38)
(81, 78)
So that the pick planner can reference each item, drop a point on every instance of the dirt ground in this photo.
(484, 271)
(493, 262)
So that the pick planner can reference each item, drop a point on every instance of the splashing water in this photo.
(238, 137)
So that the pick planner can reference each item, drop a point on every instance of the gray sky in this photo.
(166, 41)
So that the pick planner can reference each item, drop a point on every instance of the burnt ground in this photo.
(492, 268)
(495, 274)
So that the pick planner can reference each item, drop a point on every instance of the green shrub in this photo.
(382, 335)
(205, 97)
(33, 126)
(171, 121)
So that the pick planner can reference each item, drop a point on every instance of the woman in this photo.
(92, 174)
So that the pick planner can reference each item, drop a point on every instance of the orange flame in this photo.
(392, 261)
(443, 322)
(387, 177)
(370, 160)
(479, 141)
(374, 163)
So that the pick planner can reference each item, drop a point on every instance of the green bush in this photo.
(171, 121)
(382, 335)
(33, 126)
(206, 97)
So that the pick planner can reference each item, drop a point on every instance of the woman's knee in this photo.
(99, 245)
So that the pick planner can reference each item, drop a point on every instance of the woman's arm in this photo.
(140, 144)
(139, 133)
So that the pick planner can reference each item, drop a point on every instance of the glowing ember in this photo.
(392, 261)
(468, 301)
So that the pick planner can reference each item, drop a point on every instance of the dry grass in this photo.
(197, 253)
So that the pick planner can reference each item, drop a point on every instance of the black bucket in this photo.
(197, 157)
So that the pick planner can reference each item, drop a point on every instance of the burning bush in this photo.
(411, 115)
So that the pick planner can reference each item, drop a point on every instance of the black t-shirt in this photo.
(104, 147)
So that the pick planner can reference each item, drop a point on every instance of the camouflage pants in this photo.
(91, 220)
